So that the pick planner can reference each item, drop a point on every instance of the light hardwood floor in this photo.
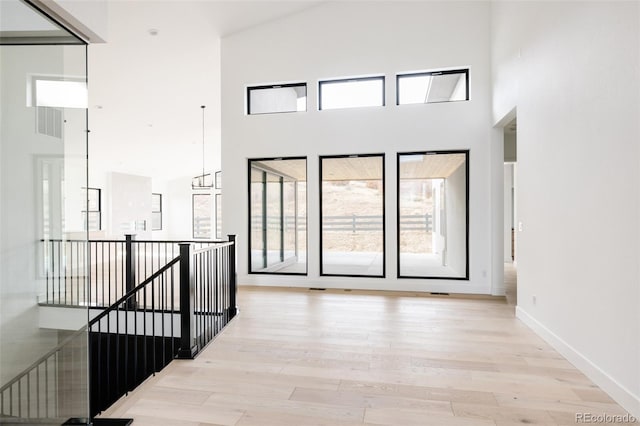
(306, 357)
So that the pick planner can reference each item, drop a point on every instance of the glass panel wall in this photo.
(43, 207)
(352, 210)
(278, 212)
(433, 215)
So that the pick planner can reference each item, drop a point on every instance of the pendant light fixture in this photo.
(203, 181)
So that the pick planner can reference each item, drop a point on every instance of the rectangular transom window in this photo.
(352, 215)
(277, 98)
(351, 93)
(433, 215)
(431, 87)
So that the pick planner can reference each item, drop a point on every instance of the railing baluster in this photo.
(46, 387)
(56, 407)
(144, 319)
(28, 395)
(126, 345)
(130, 265)
(102, 277)
(153, 326)
(173, 350)
(117, 336)
(162, 312)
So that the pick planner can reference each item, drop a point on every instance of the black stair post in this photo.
(233, 285)
(130, 277)
(188, 347)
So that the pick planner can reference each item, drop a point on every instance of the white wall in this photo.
(572, 70)
(178, 209)
(346, 39)
(128, 203)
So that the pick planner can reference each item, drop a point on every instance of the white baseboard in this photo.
(618, 392)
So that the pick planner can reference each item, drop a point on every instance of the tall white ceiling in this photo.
(146, 90)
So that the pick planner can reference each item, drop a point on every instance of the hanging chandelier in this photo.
(203, 181)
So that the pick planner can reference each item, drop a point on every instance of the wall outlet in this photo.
(534, 300)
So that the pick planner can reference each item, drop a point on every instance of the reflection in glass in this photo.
(275, 247)
(278, 216)
(432, 202)
(43, 364)
(352, 215)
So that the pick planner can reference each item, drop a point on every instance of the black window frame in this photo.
(276, 86)
(156, 211)
(468, 191)
(432, 73)
(353, 79)
(87, 211)
(306, 200)
(384, 215)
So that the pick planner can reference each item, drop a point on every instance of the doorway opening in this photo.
(510, 211)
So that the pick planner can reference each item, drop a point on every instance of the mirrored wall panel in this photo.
(433, 215)
(352, 214)
(278, 215)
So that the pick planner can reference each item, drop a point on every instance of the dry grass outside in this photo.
(348, 199)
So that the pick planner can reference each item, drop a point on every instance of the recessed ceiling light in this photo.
(153, 32)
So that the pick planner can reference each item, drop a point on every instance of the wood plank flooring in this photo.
(304, 357)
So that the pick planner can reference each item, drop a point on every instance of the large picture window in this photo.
(278, 216)
(352, 215)
(433, 215)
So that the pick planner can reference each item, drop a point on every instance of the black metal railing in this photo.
(99, 272)
(175, 311)
(135, 337)
(210, 297)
